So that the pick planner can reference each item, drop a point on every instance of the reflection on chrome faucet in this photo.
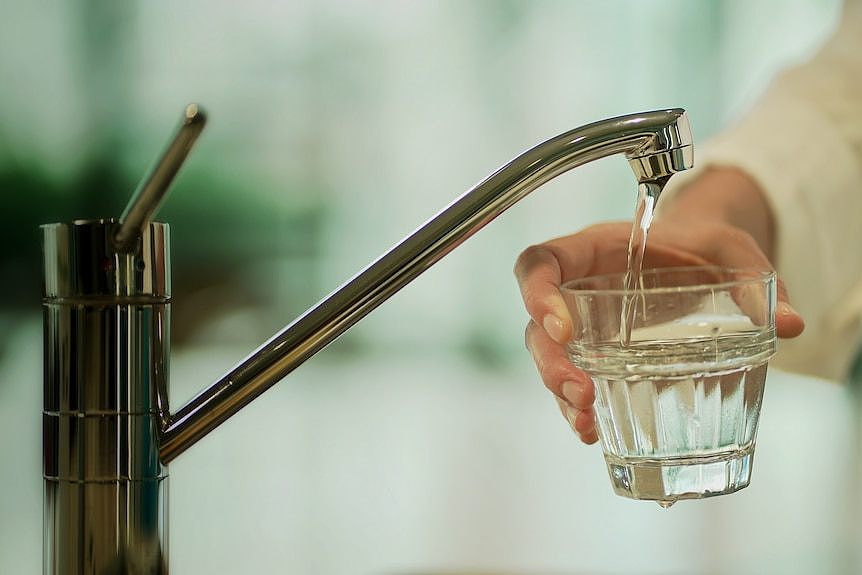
(108, 431)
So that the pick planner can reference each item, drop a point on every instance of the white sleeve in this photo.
(802, 143)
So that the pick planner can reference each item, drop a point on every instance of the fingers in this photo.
(539, 277)
(583, 423)
(541, 269)
(559, 375)
(572, 388)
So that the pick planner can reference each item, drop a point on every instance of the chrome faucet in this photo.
(108, 431)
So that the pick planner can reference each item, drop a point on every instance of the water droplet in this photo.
(665, 503)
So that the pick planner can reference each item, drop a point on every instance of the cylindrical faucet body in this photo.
(106, 344)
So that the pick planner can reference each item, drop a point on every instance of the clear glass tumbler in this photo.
(677, 406)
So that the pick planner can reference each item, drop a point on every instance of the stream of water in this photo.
(648, 194)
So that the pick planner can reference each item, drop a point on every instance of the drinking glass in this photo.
(677, 406)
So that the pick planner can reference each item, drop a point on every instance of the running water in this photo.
(648, 193)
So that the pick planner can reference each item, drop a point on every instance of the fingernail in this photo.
(555, 328)
(785, 308)
(573, 392)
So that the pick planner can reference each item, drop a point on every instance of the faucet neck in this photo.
(657, 144)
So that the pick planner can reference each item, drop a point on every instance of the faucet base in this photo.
(120, 527)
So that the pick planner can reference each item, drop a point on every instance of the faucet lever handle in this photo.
(154, 187)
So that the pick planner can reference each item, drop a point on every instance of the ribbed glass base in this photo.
(668, 480)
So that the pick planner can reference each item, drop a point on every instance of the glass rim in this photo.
(756, 275)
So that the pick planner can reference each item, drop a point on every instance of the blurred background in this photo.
(422, 441)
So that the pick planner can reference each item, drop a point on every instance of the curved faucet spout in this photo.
(657, 144)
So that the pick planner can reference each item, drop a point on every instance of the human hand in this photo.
(601, 249)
